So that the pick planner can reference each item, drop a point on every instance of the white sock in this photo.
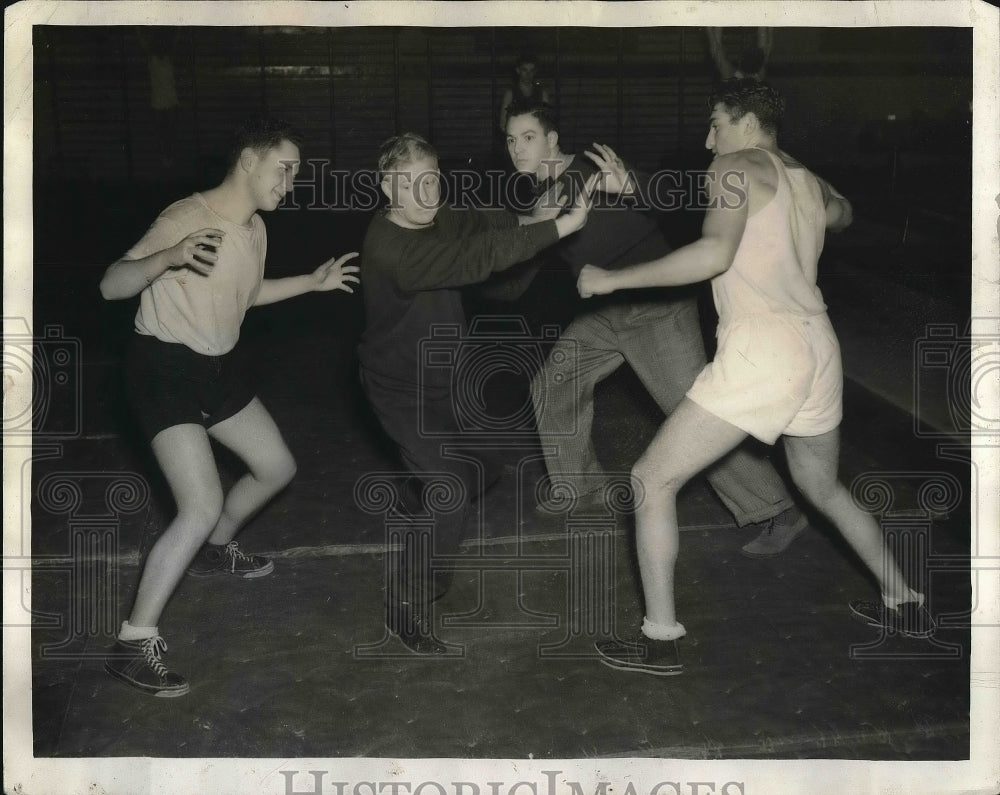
(894, 603)
(662, 631)
(137, 633)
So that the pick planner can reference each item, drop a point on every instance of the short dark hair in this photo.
(260, 134)
(526, 57)
(742, 95)
(403, 148)
(542, 111)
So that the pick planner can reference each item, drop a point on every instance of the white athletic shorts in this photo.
(774, 374)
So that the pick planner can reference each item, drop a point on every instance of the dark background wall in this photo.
(643, 90)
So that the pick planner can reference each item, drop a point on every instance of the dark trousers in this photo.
(449, 472)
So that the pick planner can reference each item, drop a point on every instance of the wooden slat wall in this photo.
(461, 92)
(364, 91)
(349, 89)
(228, 84)
(84, 85)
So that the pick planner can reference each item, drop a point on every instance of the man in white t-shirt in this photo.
(197, 270)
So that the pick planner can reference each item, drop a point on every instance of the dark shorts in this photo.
(168, 384)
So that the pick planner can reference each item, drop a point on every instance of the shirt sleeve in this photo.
(444, 259)
(164, 233)
(469, 220)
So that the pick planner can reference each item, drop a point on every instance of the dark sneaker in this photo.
(414, 627)
(139, 664)
(643, 655)
(910, 618)
(777, 534)
(228, 559)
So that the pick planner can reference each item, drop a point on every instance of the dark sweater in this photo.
(616, 235)
(411, 280)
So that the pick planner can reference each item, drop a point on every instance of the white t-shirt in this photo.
(181, 305)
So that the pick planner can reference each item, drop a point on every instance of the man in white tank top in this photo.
(776, 373)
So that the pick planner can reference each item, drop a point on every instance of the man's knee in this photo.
(277, 469)
(647, 479)
(201, 509)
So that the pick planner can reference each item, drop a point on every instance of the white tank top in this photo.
(774, 270)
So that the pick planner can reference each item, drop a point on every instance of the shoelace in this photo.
(234, 552)
(153, 649)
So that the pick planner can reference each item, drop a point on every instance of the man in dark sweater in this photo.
(656, 331)
(417, 254)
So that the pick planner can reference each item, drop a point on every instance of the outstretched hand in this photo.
(335, 275)
(616, 178)
(594, 281)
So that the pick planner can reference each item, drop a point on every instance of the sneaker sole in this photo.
(620, 666)
(249, 575)
(868, 621)
(147, 689)
(797, 534)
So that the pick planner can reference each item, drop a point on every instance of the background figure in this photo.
(524, 87)
(159, 47)
(752, 60)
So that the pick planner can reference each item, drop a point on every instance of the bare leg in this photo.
(254, 437)
(813, 462)
(185, 456)
(690, 440)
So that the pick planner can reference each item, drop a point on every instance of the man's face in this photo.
(726, 136)
(528, 145)
(271, 174)
(414, 192)
(526, 72)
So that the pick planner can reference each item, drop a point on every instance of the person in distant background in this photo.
(159, 48)
(525, 88)
(752, 61)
